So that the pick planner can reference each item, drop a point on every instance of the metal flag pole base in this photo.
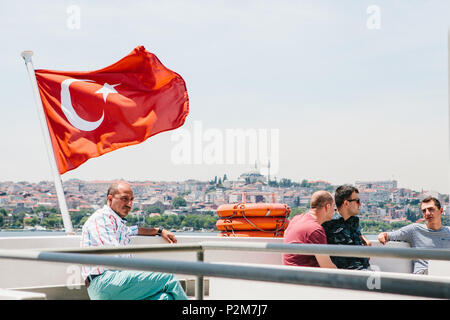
(26, 55)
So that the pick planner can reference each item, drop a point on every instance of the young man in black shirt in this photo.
(345, 230)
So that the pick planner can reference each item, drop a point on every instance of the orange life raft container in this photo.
(253, 219)
(254, 223)
(253, 210)
(247, 233)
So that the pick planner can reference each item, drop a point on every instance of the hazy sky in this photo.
(355, 90)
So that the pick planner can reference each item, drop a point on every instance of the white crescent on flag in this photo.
(70, 113)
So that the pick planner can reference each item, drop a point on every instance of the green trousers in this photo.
(135, 285)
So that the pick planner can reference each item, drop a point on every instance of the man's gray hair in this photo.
(113, 189)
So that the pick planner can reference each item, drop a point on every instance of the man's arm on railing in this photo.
(165, 234)
(325, 261)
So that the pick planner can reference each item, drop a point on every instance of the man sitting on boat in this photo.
(106, 227)
(307, 228)
(433, 235)
(345, 230)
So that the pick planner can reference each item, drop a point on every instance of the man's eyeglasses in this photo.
(357, 200)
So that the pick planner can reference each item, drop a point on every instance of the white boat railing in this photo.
(334, 250)
(423, 286)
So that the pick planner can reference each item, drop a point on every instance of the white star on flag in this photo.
(107, 89)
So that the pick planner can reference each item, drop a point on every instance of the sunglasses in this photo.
(357, 200)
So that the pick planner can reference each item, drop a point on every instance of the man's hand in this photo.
(168, 236)
(383, 237)
(366, 241)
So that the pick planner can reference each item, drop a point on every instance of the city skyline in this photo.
(356, 183)
(35, 206)
(354, 92)
(380, 200)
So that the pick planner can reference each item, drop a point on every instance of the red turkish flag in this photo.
(92, 113)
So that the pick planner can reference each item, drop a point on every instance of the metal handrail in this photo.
(297, 248)
(425, 286)
(333, 250)
(127, 249)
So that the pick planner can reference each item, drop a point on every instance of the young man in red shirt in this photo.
(307, 228)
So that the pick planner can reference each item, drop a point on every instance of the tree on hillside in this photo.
(304, 183)
(179, 202)
(153, 209)
(411, 215)
(273, 183)
(295, 211)
(285, 183)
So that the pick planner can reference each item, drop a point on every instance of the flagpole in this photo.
(26, 55)
(448, 98)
